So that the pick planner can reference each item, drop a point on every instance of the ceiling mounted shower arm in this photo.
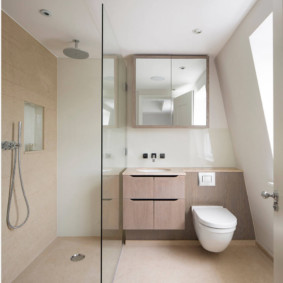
(76, 43)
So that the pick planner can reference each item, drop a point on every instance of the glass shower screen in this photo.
(113, 149)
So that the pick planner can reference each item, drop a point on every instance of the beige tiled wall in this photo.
(29, 73)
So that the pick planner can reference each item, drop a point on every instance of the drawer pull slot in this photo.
(159, 176)
(154, 199)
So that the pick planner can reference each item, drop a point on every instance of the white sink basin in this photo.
(157, 170)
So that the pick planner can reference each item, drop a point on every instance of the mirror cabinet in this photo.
(171, 91)
(110, 90)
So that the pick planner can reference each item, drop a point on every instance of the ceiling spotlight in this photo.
(182, 67)
(197, 31)
(157, 78)
(45, 12)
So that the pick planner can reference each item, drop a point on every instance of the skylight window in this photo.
(261, 42)
(199, 113)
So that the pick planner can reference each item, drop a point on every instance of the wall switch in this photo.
(144, 155)
(162, 155)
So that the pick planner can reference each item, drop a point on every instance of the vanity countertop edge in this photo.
(179, 170)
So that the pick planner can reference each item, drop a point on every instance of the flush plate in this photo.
(206, 179)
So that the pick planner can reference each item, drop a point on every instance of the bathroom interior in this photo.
(141, 141)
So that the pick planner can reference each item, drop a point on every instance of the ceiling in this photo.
(70, 19)
(140, 26)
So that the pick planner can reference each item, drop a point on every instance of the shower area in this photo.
(63, 145)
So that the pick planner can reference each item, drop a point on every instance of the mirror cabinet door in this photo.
(110, 84)
(171, 91)
(153, 92)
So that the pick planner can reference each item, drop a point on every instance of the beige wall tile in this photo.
(29, 74)
(20, 92)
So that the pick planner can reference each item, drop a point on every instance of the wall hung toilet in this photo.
(214, 226)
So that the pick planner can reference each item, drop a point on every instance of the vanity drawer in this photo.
(110, 186)
(138, 187)
(110, 214)
(169, 214)
(169, 187)
(137, 214)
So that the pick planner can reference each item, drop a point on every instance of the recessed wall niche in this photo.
(33, 127)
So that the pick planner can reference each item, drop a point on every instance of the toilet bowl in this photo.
(214, 226)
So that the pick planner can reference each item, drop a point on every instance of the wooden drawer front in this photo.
(137, 214)
(169, 187)
(169, 214)
(111, 186)
(110, 214)
(137, 187)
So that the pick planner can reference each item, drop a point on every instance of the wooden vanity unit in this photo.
(153, 201)
(229, 191)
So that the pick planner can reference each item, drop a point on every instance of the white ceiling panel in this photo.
(165, 27)
(70, 19)
(140, 26)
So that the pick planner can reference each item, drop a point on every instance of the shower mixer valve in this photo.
(10, 145)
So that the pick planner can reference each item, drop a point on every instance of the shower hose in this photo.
(16, 153)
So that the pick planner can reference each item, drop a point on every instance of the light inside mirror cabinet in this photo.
(33, 127)
(171, 91)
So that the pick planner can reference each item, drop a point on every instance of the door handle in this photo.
(274, 195)
(265, 194)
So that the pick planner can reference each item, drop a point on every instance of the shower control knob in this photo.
(9, 145)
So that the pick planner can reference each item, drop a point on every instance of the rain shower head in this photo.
(75, 52)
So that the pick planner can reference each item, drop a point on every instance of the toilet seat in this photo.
(216, 217)
(215, 230)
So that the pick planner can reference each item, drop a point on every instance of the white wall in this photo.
(79, 147)
(278, 136)
(183, 147)
(246, 119)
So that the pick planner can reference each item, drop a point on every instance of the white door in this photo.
(182, 114)
(278, 138)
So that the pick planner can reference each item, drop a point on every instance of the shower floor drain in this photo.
(77, 257)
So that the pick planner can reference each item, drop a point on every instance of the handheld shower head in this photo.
(75, 52)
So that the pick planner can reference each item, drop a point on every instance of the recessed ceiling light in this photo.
(45, 12)
(182, 67)
(157, 78)
(197, 31)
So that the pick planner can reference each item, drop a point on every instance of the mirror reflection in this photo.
(171, 91)
(109, 90)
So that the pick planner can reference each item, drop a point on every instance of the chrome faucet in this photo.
(153, 156)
